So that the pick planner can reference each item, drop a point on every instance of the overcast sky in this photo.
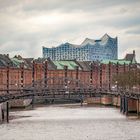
(27, 25)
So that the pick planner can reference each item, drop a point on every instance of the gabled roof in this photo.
(18, 60)
(85, 65)
(51, 65)
(2, 63)
(131, 57)
(28, 61)
(5, 61)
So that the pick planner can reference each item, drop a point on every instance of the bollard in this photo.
(126, 106)
(33, 102)
(138, 108)
(7, 112)
(3, 115)
(81, 102)
(121, 104)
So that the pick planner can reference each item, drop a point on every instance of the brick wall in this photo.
(19, 76)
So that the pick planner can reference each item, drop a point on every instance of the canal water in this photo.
(70, 122)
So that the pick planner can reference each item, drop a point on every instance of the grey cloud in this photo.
(121, 22)
(133, 31)
(8, 3)
(67, 5)
(64, 5)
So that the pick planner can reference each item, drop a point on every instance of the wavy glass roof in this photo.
(87, 41)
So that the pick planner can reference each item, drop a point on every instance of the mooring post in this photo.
(33, 100)
(126, 105)
(117, 100)
(81, 102)
(138, 108)
(7, 112)
(121, 103)
(3, 115)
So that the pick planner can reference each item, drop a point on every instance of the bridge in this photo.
(69, 89)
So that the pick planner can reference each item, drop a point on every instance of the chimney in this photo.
(134, 52)
(8, 55)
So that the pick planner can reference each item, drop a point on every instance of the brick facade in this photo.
(100, 75)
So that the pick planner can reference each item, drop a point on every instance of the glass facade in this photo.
(89, 50)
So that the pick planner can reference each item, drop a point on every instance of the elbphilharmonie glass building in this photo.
(88, 50)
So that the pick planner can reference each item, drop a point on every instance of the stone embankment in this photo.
(133, 106)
